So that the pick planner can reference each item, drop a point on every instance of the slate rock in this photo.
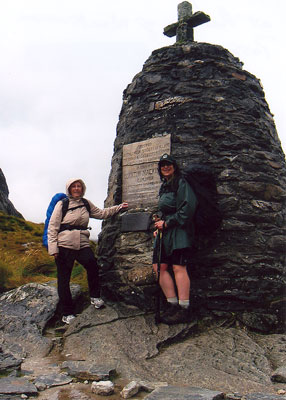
(137, 348)
(45, 381)
(66, 392)
(25, 311)
(184, 393)
(263, 396)
(12, 397)
(86, 370)
(8, 362)
(16, 386)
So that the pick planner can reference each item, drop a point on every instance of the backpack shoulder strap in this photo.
(65, 207)
(86, 204)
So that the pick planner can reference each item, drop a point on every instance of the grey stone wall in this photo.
(217, 114)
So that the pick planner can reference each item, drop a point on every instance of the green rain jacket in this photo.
(177, 208)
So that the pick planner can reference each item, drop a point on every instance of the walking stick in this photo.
(157, 310)
(158, 294)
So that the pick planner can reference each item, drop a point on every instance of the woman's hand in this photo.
(160, 225)
(56, 255)
(123, 206)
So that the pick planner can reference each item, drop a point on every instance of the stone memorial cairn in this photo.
(197, 99)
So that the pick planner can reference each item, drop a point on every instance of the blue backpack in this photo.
(55, 199)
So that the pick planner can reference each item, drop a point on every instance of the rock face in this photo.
(5, 204)
(121, 343)
(216, 114)
(25, 312)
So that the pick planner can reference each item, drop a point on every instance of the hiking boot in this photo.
(179, 316)
(171, 309)
(67, 319)
(97, 302)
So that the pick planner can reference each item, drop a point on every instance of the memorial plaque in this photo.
(135, 222)
(140, 178)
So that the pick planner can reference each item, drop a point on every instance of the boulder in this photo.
(25, 312)
(102, 388)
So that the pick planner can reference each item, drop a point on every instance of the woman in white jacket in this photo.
(68, 241)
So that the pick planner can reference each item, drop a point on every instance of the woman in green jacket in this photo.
(177, 204)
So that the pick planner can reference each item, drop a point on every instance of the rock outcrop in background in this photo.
(217, 114)
(5, 204)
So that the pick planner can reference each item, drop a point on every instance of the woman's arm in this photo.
(104, 213)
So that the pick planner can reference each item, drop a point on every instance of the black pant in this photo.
(65, 262)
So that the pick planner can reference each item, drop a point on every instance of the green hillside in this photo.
(23, 258)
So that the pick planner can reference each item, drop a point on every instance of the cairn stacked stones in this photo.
(216, 114)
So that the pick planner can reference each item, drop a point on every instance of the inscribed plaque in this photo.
(135, 222)
(140, 178)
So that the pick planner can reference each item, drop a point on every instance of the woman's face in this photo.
(167, 170)
(75, 190)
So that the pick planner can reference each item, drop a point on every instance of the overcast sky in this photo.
(65, 63)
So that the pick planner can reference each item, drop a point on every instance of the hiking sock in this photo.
(184, 303)
(172, 300)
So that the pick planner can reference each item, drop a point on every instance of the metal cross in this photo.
(183, 29)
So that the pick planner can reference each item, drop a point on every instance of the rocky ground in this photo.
(121, 345)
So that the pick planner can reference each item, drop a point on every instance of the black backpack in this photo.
(208, 216)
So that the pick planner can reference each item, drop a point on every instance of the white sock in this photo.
(172, 300)
(184, 303)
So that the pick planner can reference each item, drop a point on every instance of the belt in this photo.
(68, 227)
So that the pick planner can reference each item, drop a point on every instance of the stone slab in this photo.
(140, 178)
(51, 380)
(8, 362)
(184, 393)
(17, 386)
(264, 396)
(87, 371)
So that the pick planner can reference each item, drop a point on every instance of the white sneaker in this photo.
(97, 302)
(67, 319)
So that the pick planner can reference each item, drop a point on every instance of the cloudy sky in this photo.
(65, 63)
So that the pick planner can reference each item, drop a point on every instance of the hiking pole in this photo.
(159, 246)
(157, 310)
